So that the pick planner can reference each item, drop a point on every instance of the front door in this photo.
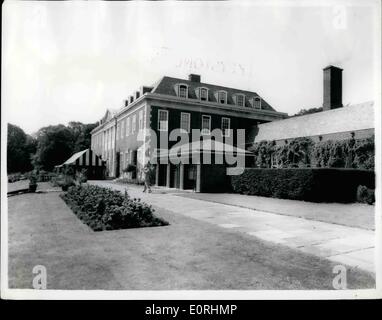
(189, 176)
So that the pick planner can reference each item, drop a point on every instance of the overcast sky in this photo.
(69, 61)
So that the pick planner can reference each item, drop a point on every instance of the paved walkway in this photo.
(357, 215)
(343, 244)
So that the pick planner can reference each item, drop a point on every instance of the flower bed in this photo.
(106, 209)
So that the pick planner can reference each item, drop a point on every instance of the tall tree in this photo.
(81, 134)
(54, 146)
(20, 147)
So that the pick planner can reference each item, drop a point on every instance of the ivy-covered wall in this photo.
(304, 152)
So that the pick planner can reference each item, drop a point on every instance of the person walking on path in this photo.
(147, 173)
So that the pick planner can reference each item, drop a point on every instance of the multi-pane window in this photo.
(134, 123)
(222, 97)
(203, 94)
(122, 128)
(140, 121)
(257, 103)
(162, 120)
(127, 126)
(185, 121)
(183, 91)
(226, 126)
(206, 124)
(240, 100)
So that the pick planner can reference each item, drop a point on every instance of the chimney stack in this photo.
(194, 77)
(332, 88)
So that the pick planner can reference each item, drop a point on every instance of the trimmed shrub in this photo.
(309, 184)
(106, 209)
(365, 195)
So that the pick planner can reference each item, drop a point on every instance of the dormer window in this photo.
(240, 100)
(182, 91)
(257, 102)
(222, 97)
(203, 94)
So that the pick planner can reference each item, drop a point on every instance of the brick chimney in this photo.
(332, 88)
(194, 77)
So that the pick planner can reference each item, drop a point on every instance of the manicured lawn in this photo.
(187, 254)
(18, 185)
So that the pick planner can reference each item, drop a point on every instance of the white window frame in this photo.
(127, 126)
(178, 90)
(126, 160)
(226, 96)
(200, 93)
(209, 125)
(159, 120)
(228, 132)
(237, 99)
(122, 128)
(140, 120)
(188, 122)
(254, 102)
(134, 124)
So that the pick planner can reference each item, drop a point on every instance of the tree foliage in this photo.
(55, 144)
(81, 134)
(307, 111)
(20, 147)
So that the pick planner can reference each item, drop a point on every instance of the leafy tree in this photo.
(81, 134)
(20, 146)
(54, 146)
(307, 111)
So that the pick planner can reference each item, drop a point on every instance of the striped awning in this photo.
(84, 158)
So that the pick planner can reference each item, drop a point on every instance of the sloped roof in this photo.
(166, 86)
(207, 145)
(75, 156)
(350, 118)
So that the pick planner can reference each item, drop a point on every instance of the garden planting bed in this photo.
(106, 209)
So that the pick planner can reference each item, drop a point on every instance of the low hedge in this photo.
(309, 184)
(106, 209)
